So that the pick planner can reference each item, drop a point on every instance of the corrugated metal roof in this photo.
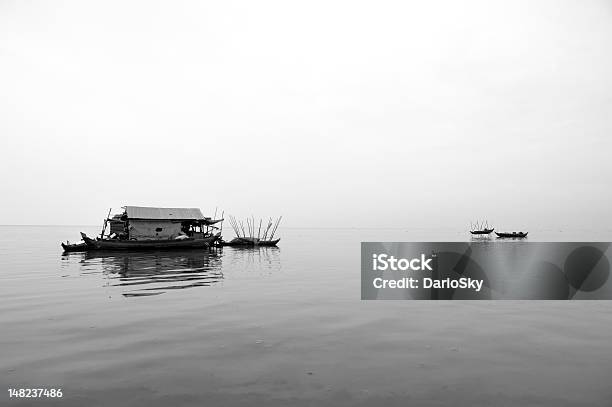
(144, 212)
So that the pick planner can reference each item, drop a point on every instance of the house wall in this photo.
(116, 226)
(148, 229)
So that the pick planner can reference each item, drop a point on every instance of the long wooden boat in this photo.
(482, 232)
(518, 235)
(153, 244)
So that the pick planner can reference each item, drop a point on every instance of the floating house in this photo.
(140, 227)
(144, 223)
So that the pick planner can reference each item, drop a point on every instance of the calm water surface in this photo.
(280, 326)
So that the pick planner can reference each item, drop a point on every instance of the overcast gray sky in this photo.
(332, 113)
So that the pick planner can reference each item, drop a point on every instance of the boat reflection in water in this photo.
(480, 238)
(152, 273)
(139, 274)
(252, 260)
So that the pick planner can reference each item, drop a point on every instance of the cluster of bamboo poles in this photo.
(251, 228)
(479, 225)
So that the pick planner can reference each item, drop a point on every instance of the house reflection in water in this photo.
(153, 273)
(138, 274)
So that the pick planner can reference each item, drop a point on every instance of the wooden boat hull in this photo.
(511, 235)
(240, 242)
(139, 245)
(268, 243)
(76, 247)
(481, 232)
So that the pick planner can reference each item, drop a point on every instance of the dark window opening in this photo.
(158, 229)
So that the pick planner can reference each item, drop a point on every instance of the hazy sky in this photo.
(331, 113)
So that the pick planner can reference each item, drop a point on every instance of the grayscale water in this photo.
(281, 326)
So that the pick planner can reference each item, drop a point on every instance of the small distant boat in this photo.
(74, 247)
(485, 231)
(481, 228)
(250, 242)
(518, 235)
(253, 236)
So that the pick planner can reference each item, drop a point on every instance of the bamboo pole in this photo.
(105, 223)
(267, 228)
(275, 227)
(234, 225)
(237, 227)
(271, 224)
